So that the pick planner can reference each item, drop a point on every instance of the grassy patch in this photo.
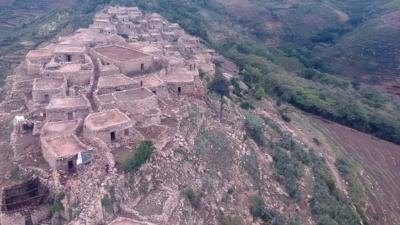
(139, 157)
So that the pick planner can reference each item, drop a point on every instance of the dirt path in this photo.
(94, 85)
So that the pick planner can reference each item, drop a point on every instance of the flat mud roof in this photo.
(120, 53)
(59, 128)
(39, 53)
(105, 119)
(68, 102)
(115, 80)
(47, 84)
(133, 94)
(66, 146)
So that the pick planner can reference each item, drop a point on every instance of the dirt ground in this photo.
(381, 163)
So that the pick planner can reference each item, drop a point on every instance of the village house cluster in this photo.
(100, 85)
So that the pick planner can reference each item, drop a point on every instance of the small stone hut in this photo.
(128, 60)
(116, 82)
(66, 153)
(111, 126)
(67, 108)
(46, 88)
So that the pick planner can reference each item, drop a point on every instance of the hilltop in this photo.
(193, 112)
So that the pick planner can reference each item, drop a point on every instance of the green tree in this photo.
(260, 93)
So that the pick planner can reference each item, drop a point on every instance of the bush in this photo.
(192, 197)
(139, 157)
(219, 85)
(254, 129)
(260, 93)
(289, 171)
(260, 211)
(56, 205)
(107, 203)
(246, 105)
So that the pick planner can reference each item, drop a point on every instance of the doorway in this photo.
(113, 136)
(46, 98)
(179, 90)
(28, 220)
(70, 115)
(69, 58)
(71, 166)
(142, 67)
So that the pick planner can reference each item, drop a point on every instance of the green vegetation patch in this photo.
(355, 187)
(328, 204)
(139, 157)
(254, 128)
(259, 210)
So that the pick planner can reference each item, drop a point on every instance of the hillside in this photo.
(259, 144)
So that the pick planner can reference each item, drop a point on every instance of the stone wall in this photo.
(48, 154)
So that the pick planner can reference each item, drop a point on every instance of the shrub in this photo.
(260, 211)
(56, 205)
(237, 90)
(254, 129)
(289, 171)
(260, 93)
(219, 85)
(192, 197)
(139, 157)
(107, 203)
(246, 105)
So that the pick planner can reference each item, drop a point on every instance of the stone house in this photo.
(69, 53)
(188, 44)
(65, 153)
(154, 84)
(140, 104)
(36, 59)
(67, 109)
(116, 82)
(106, 68)
(129, 61)
(46, 88)
(111, 126)
(156, 23)
(180, 81)
(76, 73)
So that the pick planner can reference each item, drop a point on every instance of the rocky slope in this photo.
(209, 169)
